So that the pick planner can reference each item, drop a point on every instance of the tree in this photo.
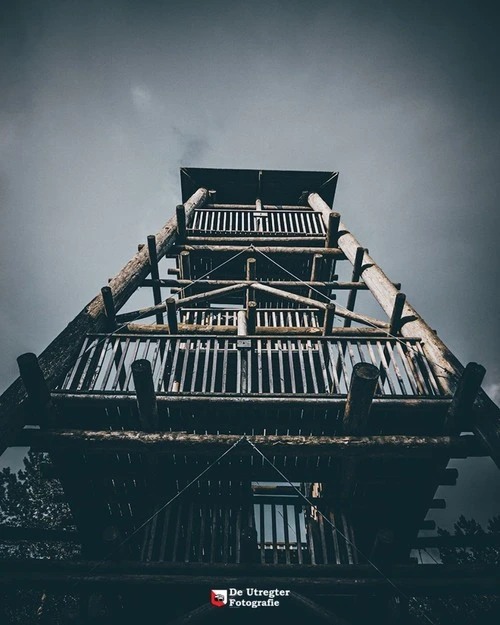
(467, 609)
(29, 500)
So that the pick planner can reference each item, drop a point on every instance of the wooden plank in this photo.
(66, 399)
(265, 249)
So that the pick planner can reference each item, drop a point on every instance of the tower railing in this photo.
(244, 221)
(251, 365)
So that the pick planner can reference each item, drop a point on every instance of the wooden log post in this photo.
(359, 398)
(316, 273)
(146, 396)
(149, 421)
(172, 315)
(252, 317)
(459, 416)
(242, 326)
(155, 275)
(251, 276)
(109, 308)
(356, 414)
(39, 399)
(185, 265)
(61, 353)
(397, 313)
(447, 368)
(180, 211)
(356, 273)
(332, 232)
(329, 319)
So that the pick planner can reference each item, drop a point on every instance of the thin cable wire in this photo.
(397, 338)
(142, 314)
(309, 503)
(165, 505)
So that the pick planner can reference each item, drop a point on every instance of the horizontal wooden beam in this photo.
(342, 286)
(333, 252)
(62, 576)
(262, 331)
(389, 403)
(214, 444)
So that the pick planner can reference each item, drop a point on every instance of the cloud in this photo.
(142, 98)
(493, 390)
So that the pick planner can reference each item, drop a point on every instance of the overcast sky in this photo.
(102, 101)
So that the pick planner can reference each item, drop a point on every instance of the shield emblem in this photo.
(218, 597)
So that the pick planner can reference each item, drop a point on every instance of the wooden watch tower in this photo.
(255, 426)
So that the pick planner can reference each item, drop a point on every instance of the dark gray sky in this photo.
(102, 101)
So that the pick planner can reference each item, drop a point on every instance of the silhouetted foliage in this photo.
(463, 609)
(29, 500)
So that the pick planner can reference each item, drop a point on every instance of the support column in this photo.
(357, 410)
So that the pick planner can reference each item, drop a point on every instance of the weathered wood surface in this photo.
(59, 355)
(198, 328)
(402, 403)
(360, 397)
(213, 444)
(333, 252)
(464, 398)
(306, 301)
(61, 577)
(446, 366)
(355, 420)
(343, 286)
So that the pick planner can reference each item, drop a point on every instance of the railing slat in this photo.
(303, 365)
